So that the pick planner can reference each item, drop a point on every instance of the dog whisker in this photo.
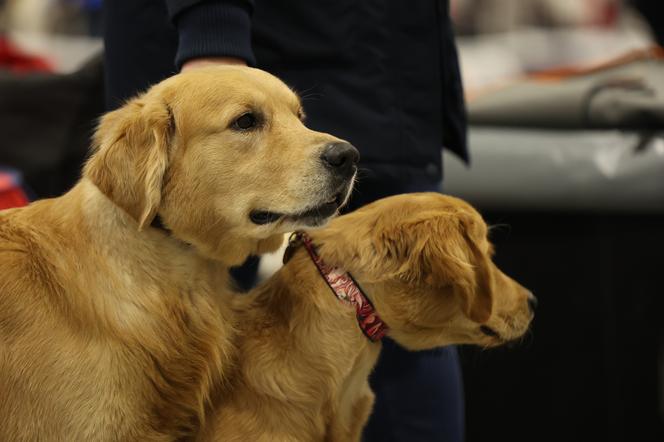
(501, 226)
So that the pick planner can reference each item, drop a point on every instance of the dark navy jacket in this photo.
(382, 74)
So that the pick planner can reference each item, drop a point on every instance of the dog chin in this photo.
(315, 216)
(309, 222)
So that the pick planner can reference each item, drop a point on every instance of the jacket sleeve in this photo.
(212, 28)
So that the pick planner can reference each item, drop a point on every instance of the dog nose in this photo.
(340, 157)
(532, 302)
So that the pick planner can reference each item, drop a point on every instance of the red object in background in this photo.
(15, 60)
(603, 13)
(11, 194)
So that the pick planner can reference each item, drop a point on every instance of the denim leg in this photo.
(419, 396)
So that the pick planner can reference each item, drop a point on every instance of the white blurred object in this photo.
(29, 15)
(66, 53)
(491, 16)
(560, 170)
(45, 16)
(494, 59)
(271, 262)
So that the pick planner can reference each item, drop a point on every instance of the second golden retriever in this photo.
(113, 322)
(422, 260)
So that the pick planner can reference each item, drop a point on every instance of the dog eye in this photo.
(245, 122)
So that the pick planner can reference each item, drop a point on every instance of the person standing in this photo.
(382, 74)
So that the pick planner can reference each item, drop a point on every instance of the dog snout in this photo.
(341, 158)
(532, 302)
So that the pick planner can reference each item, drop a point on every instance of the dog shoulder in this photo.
(22, 254)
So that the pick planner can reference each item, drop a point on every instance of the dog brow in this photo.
(492, 249)
(297, 105)
(299, 109)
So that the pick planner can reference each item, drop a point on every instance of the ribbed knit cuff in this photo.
(214, 29)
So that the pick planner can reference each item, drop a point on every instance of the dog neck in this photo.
(158, 223)
(343, 286)
(127, 292)
(297, 296)
(136, 258)
(301, 353)
(294, 315)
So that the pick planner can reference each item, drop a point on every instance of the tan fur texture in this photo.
(112, 330)
(303, 362)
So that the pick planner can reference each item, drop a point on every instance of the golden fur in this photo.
(303, 363)
(113, 330)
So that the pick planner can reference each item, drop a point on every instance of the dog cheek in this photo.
(270, 244)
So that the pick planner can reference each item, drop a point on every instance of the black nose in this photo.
(532, 302)
(341, 157)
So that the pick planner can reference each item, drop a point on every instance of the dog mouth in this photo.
(312, 216)
(489, 332)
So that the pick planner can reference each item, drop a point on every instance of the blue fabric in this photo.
(419, 396)
(9, 177)
(93, 5)
(15, 179)
(214, 29)
(12, 179)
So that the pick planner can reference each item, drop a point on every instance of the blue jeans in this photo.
(419, 396)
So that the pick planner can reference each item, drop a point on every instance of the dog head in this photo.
(424, 260)
(223, 156)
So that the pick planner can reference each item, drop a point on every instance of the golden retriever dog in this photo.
(424, 262)
(113, 322)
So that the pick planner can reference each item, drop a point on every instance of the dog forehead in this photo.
(408, 206)
(218, 84)
(417, 200)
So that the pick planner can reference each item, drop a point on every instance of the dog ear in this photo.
(479, 300)
(131, 156)
(442, 250)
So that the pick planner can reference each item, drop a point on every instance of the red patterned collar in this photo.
(344, 287)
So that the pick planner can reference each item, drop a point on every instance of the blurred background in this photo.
(566, 104)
